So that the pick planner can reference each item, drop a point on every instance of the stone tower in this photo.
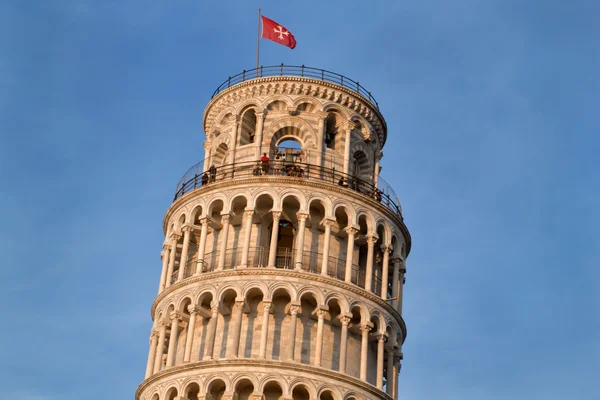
(283, 260)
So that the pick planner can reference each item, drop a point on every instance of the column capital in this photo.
(203, 221)
(175, 236)
(237, 118)
(225, 217)
(381, 337)
(366, 327)
(267, 305)
(345, 319)
(187, 228)
(214, 307)
(321, 313)
(350, 124)
(176, 315)
(328, 222)
(351, 230)
(276, 215)
(166, 246)
(193, 310)
(322, 115)
(248, 213)
(260, 114)
(239, 303)
(372, 240)
(386, 247)
(294, 308)
(301, 216)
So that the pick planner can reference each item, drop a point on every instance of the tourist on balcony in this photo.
(204, 179)
(298, 170)
(278, 164)
(265, 163)
(258, 169)
(341, 182)
(213, 173)
(289, 163)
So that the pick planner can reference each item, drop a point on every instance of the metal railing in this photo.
(383, 192)
(297, 70)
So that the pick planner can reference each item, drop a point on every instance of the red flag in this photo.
(273, 31)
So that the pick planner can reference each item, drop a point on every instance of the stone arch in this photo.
(286, 286)
(154, 396)
(213, 202)
(188, 385)
(380, 319)
(386, 230)
(291, 192)
(180, 221)
(202, 293)
(352, 396)
(260, 286)
(315, 292)
(315, 105)
(246, 105)
(329, 388)
(329, 107)
(218, 378)
(171, 393)
(294, 127)
(342, 301)
(364, 311)
(306, 383)
(272, 378)
(277, 103)
(325, 201)
(240, 377)
(242, 193)
(270, 192)
(370, 218)
(182, 302)
(348, 209)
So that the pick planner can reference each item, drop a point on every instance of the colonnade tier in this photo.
(247, 379)
(361, 338)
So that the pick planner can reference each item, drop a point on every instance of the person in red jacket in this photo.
(265, 163)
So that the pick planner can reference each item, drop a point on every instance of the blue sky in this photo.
(492, 149)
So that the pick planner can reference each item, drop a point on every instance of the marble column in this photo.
(320, 136)
(380, 355)
(174, 239)
(345, 320)
(364, 350)
(371, 240)
(202, 246)
(234, 136)
(378, 156)
(351, 231)
(223, 239)
(189, 340)
(160, 345)
(207, 155)
(212, 330)
(389, 386)
(175, 317)
(397, 367)
(260, 121)
(319, 344)
(274, 237)
(350, 125)
(328, 223)
(395, 277)
(165, 266)
(187, 230)
(401, 282)
(237, 327)
(264, 330)
(300, 242)
(248, 215)
(385, 270)
(151, 353)
(293, 317)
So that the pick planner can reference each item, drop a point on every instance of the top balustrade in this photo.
(196, 178)
(297, 70)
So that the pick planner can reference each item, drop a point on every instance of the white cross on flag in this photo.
(273, 31)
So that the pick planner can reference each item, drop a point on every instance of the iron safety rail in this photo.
(383, 192)
(297, 70)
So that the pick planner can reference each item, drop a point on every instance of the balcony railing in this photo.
(285, 258)
(196, 178)
(297, 70)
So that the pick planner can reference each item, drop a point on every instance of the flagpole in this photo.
(258, 43)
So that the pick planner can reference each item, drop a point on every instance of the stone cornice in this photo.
(249, 363)
(288, 181)
(351, 99)
(217, 275)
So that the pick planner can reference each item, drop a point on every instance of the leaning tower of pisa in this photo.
(284, 254)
